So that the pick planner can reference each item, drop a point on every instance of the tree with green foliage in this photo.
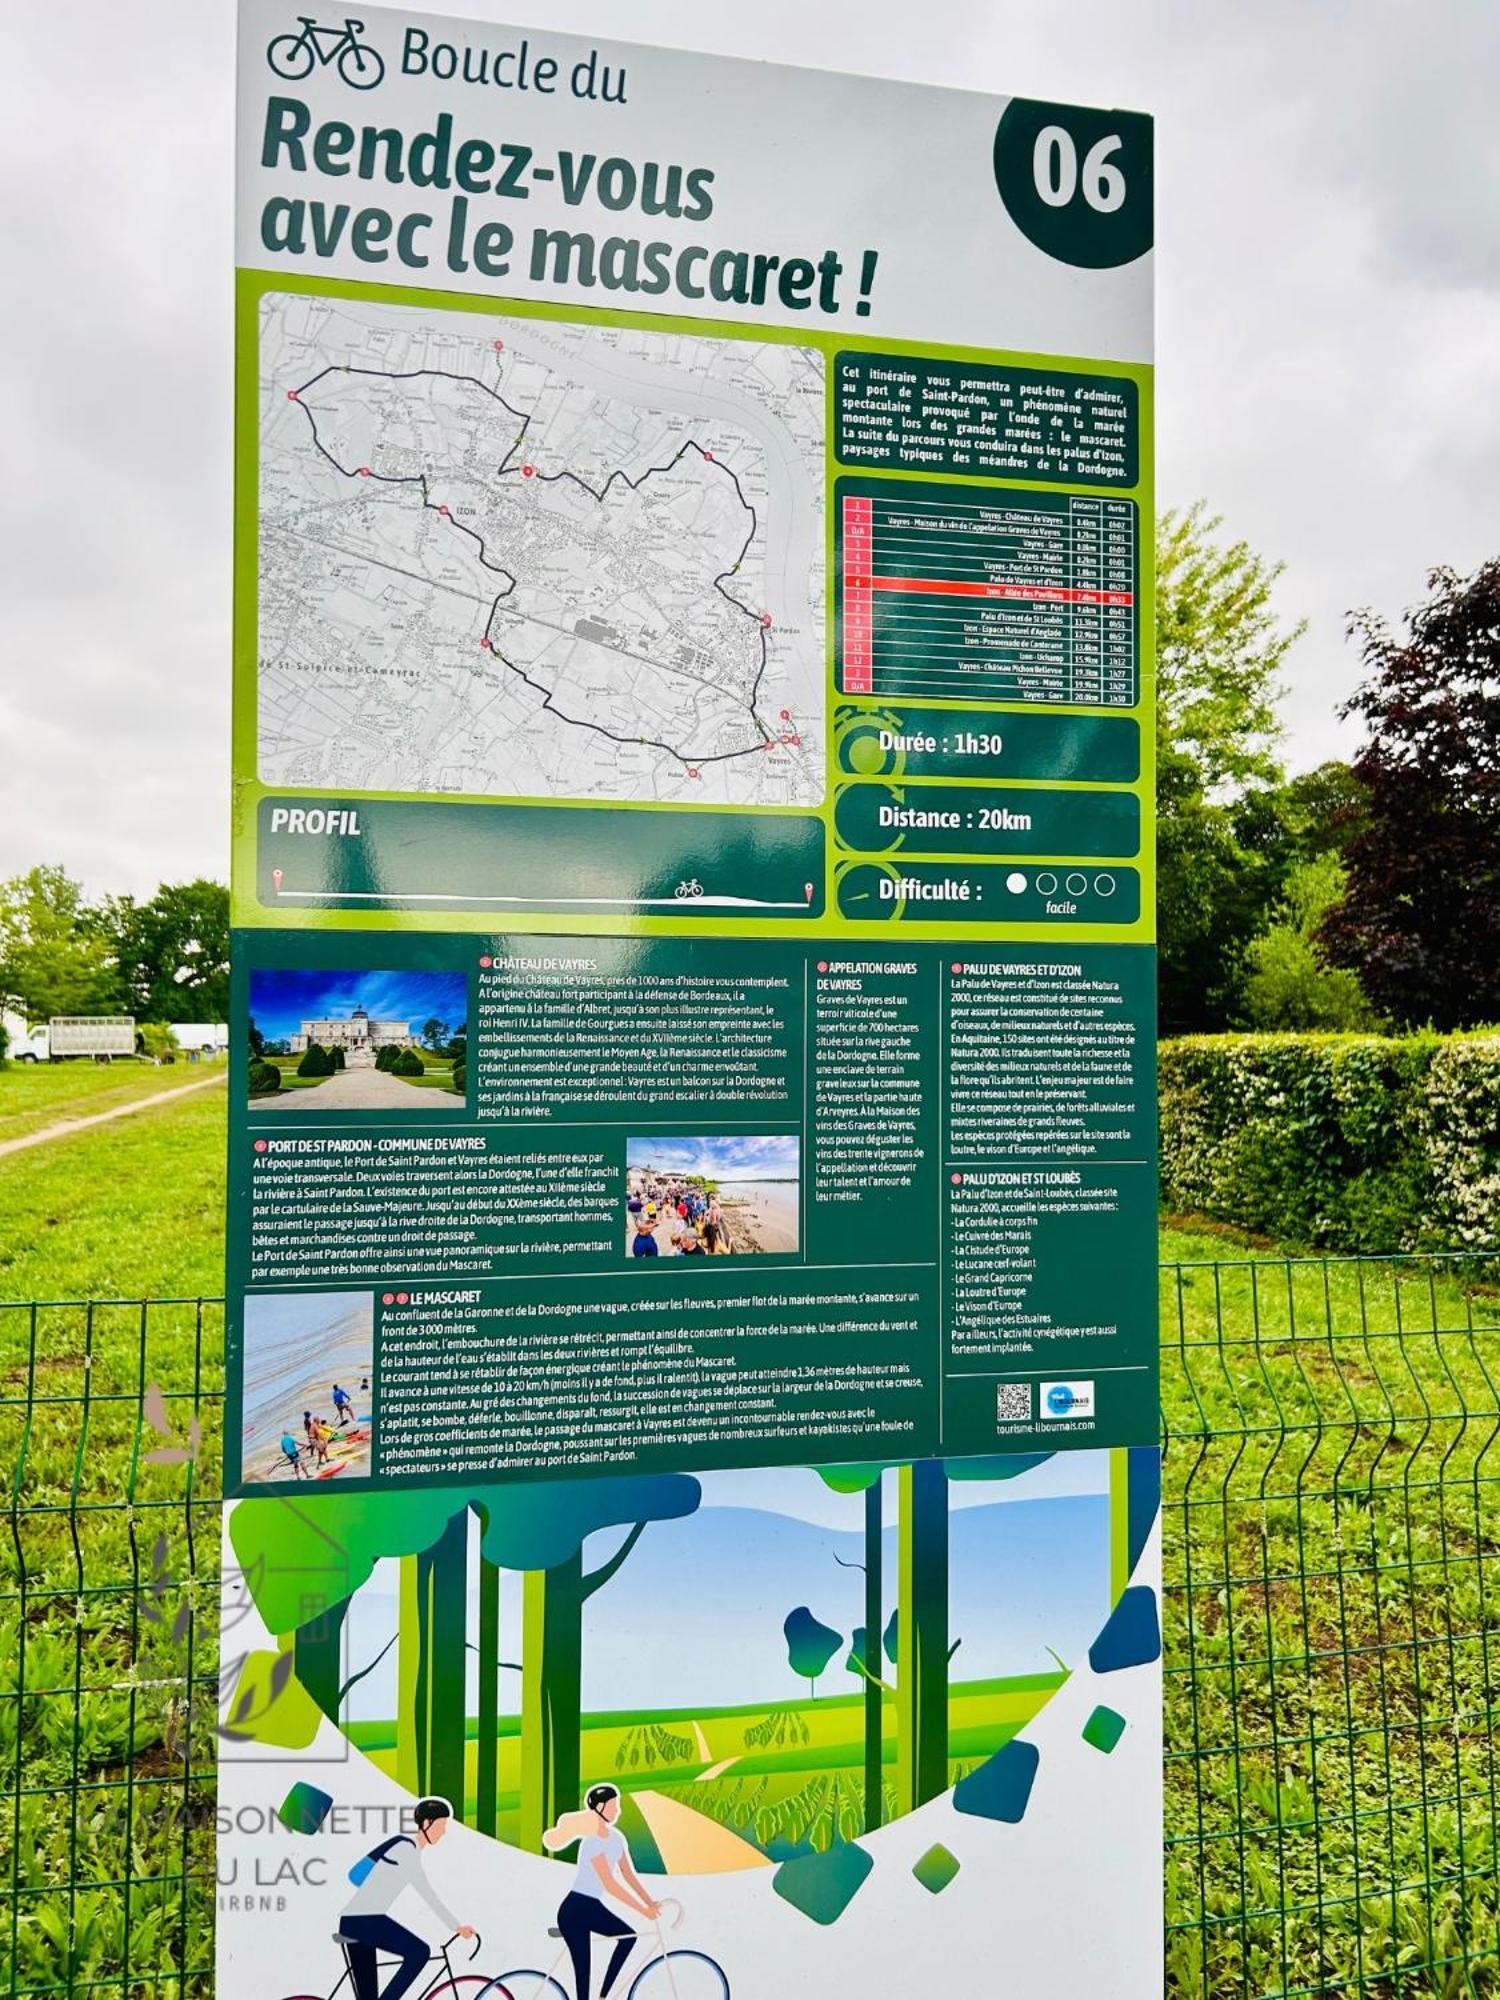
(408, 1063)
(1419, 919)
(55, 950)
(434, 1033)
(336, 1060)
(316, 1061)
(1288, 980)
(172, 951)
(265, 1077)
(1221, 646)
(460, 1077)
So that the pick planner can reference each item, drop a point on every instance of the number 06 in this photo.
(1054, 168)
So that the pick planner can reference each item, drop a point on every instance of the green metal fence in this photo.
(1331, 1530)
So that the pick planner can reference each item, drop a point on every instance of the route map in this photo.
(528, 558)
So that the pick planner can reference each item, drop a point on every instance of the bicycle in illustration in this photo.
(445, 1983)
(674, 1973)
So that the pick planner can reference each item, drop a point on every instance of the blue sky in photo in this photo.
(282, 999)
(744, 1157)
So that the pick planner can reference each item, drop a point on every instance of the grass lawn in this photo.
(438, 1077)
(1331, 1620)
(133, 1209)
(36, 1094)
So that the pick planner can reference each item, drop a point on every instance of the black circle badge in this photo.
(1076, 183)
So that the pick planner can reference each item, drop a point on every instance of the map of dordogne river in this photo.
(536, 559)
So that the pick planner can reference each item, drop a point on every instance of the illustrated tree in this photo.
(305, 1556)
(923, 1647)
(916, 1639)
(1420, 916)
(865, 1479)
(541, 1530)
(810, 1644)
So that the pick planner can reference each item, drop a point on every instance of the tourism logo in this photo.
(296, 56)
(1066, 1401)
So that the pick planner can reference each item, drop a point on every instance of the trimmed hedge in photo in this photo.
(1338, 1142)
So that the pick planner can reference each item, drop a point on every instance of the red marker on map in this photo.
(765, 619)
(528, 471)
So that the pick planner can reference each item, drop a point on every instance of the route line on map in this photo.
(598, 495)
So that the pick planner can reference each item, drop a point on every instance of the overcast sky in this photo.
(1328, 232)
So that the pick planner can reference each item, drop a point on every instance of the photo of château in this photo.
(358, 1041)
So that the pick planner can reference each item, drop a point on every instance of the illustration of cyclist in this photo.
(367, 1926)
(604, 1870)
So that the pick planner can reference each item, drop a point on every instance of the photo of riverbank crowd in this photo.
(309, 1376)
(715, 1197)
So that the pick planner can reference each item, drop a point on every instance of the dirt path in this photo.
(690, 1843)
(364, 1089)
(66, 1125)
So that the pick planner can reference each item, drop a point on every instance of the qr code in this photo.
(1013, 1403)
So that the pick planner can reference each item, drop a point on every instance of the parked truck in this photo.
(102, 1037)
(208, 1038)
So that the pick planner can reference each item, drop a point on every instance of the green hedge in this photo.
(1341, 1142)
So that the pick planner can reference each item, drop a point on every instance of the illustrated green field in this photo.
(1331, 1616)
(772, 1762)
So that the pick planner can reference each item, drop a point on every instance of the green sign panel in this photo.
(692, 1320)
(775, 1204)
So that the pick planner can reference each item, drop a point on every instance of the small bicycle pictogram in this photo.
(297, 56)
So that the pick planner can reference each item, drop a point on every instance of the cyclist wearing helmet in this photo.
(604, 1870)
(367, 1925)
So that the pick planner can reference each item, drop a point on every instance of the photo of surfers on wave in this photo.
(309, 1370)
(721, 1197)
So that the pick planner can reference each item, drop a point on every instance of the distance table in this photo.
(954, 593)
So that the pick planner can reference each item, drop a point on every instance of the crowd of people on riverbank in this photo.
(689, 1215)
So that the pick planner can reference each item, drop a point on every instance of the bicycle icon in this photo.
(297, 56)
(690, 888)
